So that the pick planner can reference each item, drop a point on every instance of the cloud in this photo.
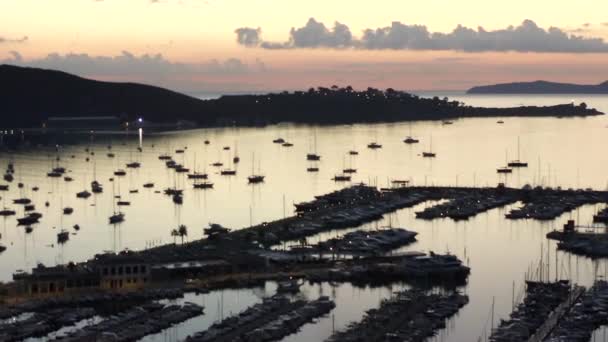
(18, 40)
(248, 36)
(527, 37)
(128, 63)
(146, 68)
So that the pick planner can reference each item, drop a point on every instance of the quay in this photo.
(591, 243)
(529, 319)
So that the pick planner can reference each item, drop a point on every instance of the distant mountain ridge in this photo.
(29, 96)
(540, 87)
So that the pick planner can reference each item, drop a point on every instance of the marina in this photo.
(476, 206)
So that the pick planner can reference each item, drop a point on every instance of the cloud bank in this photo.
(527, 37)
(8, 40)
(149, 68)
(128, 63)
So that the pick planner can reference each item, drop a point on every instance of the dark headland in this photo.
(29, 96)
(540, 87)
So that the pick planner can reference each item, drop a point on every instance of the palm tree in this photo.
(182, 231)
(175, 234)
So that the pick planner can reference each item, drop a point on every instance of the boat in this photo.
(181, 169)
(288, 286)
(164, 157)
(228, 172)
(83, 194)
(8, 177)
(504, 170)
(33, 189)
(203, 185)
(206, 142)
(29, 207)
(133, 191)
(59, 169)
(123, 203)
(68, 210)
(429, 154)
(410, 140)
(349, 170)
(76, 227)
(110, 155)
(278, 141)
(217, 164)
(54, 174)
(7, 212)
(120, 172)
(341, 178)
(353, 152)
(68, 179)
(236, 159)
(179, 151)
(215, 230)
(447, 122)
(197, 175)
(374, 145)
(517, 162)
(28, 229)
(171, 164)
(27, 220)
(134, 165)
(96, 187)
(255, 178)
(173, 191)
(313, 156)
(22, 201)
(287, 144)
(4, 187)
(117, 218)
(63, 236)
(226, 148)
(178, 199)
(148, 185)
(500, 122)
(20, 185)
(2, 248)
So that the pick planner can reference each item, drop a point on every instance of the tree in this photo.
(175, 234)
(182, 232)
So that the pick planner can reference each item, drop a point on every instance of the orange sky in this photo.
(195, 32)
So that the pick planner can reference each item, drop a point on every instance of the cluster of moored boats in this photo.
(588, 313)
(271, 320)
(135, 323)
(541, 299)
(368, 242)
(465, 206)
(411, 315)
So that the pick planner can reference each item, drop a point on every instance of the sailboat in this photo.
(349, 169)
(96, 187)
(505, 169)
(517, 162)
(117, 217)
(429, 154)
(255, 178)
(409, 139)
(228, 172)
(196, 174)
(236, 159)
(314, 156)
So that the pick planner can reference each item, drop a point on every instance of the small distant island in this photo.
(540, 87)
(29, 97)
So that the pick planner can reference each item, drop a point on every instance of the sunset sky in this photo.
(191, 45)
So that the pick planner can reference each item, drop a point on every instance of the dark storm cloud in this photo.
(527, 37)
